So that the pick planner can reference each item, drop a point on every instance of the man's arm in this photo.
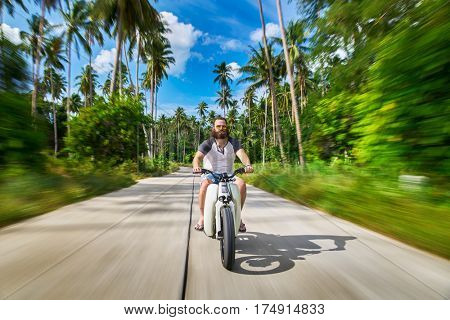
(196, 163)
(245, 160)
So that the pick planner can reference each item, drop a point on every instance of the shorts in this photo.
(214, 178)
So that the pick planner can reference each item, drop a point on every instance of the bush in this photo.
(108, 131)
(20, 141)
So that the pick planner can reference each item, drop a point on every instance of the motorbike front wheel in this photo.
(227, 244)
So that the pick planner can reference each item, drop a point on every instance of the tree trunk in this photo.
(55, 127)
(184, 150)
(291, 84)
(301, 95)
(178, 142)
(152, 94)
(161, 144)
(91, 89)
(249, 115)
(274, 136)
(128, 69)
(271, 83)
(120, 72)
(116, 60)
(152, 110)
(151, 141)
(223, 103)
(156, 103)
(69, 45)
(137, 62)
(264, 132)
(38, 60)
(146, 140)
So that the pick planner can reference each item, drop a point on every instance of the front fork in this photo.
(224, 199)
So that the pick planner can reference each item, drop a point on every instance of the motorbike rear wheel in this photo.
(227, 244)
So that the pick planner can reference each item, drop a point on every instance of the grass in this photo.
(26, 193)
(418, 216)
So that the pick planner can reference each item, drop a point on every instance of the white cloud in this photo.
(232, 45)
(226, 44)
(182, 38)
(104, 61)
(200, 57)
(13, 34)
(272, 30)
(235, 70)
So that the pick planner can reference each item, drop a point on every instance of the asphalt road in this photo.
(138, 243)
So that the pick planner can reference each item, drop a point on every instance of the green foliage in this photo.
(21, 142)
(389, 104)
(407, 108)
(13, 67)
(107, 131)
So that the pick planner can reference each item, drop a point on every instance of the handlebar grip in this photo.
(203, 171)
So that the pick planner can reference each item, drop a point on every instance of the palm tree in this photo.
(225, 99)
(76, 20)
(162, 61)
(30, 40)
(224, 76)
(257, 73)
(106, 85)
(54, 61)
(271, 83)
(76, 102)
(55, 85)
(158, 56)
(295, 37)
(87, 80)
(179, 118)
(249, 100)
(211, 116)
(127, 17)
(201, 110)
(232, 113)
(45, 5)
(291, 84)
(93, 35)
(284, 97)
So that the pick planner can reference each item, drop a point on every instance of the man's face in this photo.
(220, 130)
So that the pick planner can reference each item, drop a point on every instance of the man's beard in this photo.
(222, 134)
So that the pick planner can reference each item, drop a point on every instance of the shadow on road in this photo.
(270, 253)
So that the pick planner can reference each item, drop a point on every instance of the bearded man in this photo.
(218, 154)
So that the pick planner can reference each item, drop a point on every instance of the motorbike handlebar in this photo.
(237, 171)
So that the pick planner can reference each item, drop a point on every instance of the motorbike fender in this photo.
(210, 209)
(237, 206)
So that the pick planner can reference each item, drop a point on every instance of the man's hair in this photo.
(219, 118)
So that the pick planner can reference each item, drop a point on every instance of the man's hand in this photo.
(197, 170)
(248, 169)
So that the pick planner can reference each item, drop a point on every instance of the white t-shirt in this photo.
(219, 160)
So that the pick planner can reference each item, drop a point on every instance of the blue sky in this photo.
(204, 33)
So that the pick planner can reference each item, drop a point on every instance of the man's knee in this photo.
(241, 184)
(204, 186)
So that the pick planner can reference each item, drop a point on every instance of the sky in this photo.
(204, 33)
